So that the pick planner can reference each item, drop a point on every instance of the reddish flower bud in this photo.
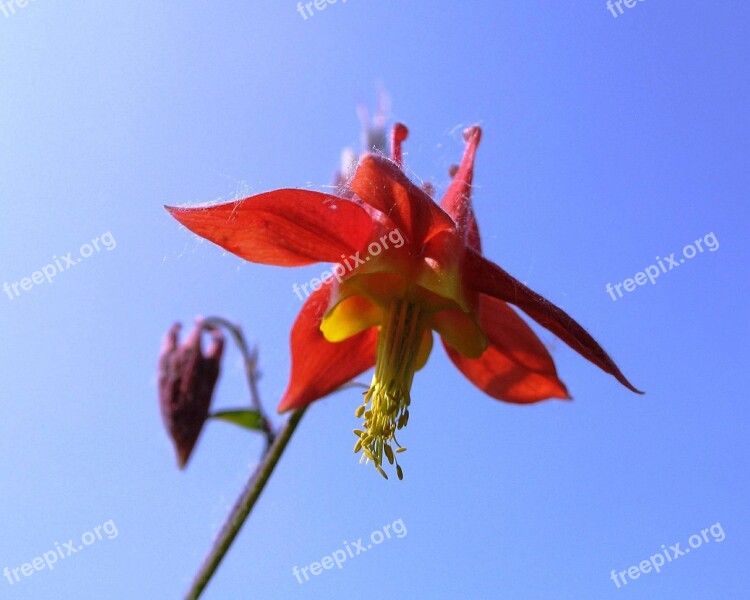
(186, 383)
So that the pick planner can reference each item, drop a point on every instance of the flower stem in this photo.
(250, 359)
(245, 503)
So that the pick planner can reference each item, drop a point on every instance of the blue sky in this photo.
(608, 141)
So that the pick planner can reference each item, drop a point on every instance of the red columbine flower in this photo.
(404, 267)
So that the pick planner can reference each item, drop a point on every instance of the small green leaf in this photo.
(249, 419)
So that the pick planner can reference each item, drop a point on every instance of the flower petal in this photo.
(460, 331)
(349, 317)
(516, 366)
(457, 199)
(382, 184)
(320, 366)
(285, 227)
(486, 277)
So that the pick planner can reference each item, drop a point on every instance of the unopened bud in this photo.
(187, 378)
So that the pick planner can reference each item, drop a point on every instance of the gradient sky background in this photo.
(607, 142)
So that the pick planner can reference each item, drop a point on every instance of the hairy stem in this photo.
(245, 503)
(251, 370)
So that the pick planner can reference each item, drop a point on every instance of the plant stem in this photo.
(245, 503)
(251, 370)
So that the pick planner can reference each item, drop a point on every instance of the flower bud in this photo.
(374, 139)
(187, 379)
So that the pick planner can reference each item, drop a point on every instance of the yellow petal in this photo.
(349, 317)
(460, 331)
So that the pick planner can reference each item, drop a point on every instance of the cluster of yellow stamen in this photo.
(386, 404)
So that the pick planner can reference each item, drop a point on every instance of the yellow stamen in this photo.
(386, 404)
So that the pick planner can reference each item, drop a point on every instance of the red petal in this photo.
(283, 227)
(380, 183)
(457, 199)
(516, 366)
(320, 366)
(486, 277)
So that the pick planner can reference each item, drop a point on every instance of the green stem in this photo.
(250, 359)
(250, 494)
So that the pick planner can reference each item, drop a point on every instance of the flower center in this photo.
(400, 352)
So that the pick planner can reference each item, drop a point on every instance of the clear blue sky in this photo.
(607, 142)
